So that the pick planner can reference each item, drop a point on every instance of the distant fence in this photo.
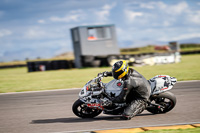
(190, 52)
(49, 65)
(12, 66)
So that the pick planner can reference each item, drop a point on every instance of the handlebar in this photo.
(98, 81)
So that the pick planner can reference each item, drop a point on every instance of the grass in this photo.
(187, 69)
(18, 79)
(191, 130)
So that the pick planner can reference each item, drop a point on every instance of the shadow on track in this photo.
(76, 119)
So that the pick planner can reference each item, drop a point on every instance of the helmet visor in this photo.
(116, 75)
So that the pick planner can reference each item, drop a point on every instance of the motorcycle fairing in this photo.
(161, 83)
(114, 87)
(90, 87)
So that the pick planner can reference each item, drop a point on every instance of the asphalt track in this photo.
(50, 112)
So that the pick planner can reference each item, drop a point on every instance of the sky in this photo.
(41, 28)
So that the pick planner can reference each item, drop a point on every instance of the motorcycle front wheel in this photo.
(80, 109)
(164, 103)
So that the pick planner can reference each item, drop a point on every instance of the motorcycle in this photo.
(94, 97)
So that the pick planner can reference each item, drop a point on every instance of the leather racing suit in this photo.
(136, 92)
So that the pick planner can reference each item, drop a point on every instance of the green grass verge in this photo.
(190, 130)
(187, 69)
(18, 79)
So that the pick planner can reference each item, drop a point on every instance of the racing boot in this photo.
(134, 108)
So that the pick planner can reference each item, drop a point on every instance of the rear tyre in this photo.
(80, 109)
(165, 102)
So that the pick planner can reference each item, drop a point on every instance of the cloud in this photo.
(122, 34)
(131, 15)
(170, 9)
(5, 32)
(178, 9)
(35, 33)
(180, 37)
(166, 23)
(104, 13)
(194, 17)
(175, 9)
(187, 36)
(46, 32)
(160, 14)
(41, 21)
(72, 16)
(147, 6)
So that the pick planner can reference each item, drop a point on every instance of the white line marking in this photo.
(26, 92)
(188, 81)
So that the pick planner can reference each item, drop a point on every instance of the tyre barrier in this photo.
(49, 65)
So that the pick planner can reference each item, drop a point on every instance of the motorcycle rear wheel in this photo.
(81, 110)
(166, 100)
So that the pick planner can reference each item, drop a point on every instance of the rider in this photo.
(134, 84)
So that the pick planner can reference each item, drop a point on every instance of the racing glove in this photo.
(103, 74)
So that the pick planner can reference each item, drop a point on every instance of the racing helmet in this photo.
(120, 69)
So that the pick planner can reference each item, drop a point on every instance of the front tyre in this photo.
(164, 103)
(80, 109)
